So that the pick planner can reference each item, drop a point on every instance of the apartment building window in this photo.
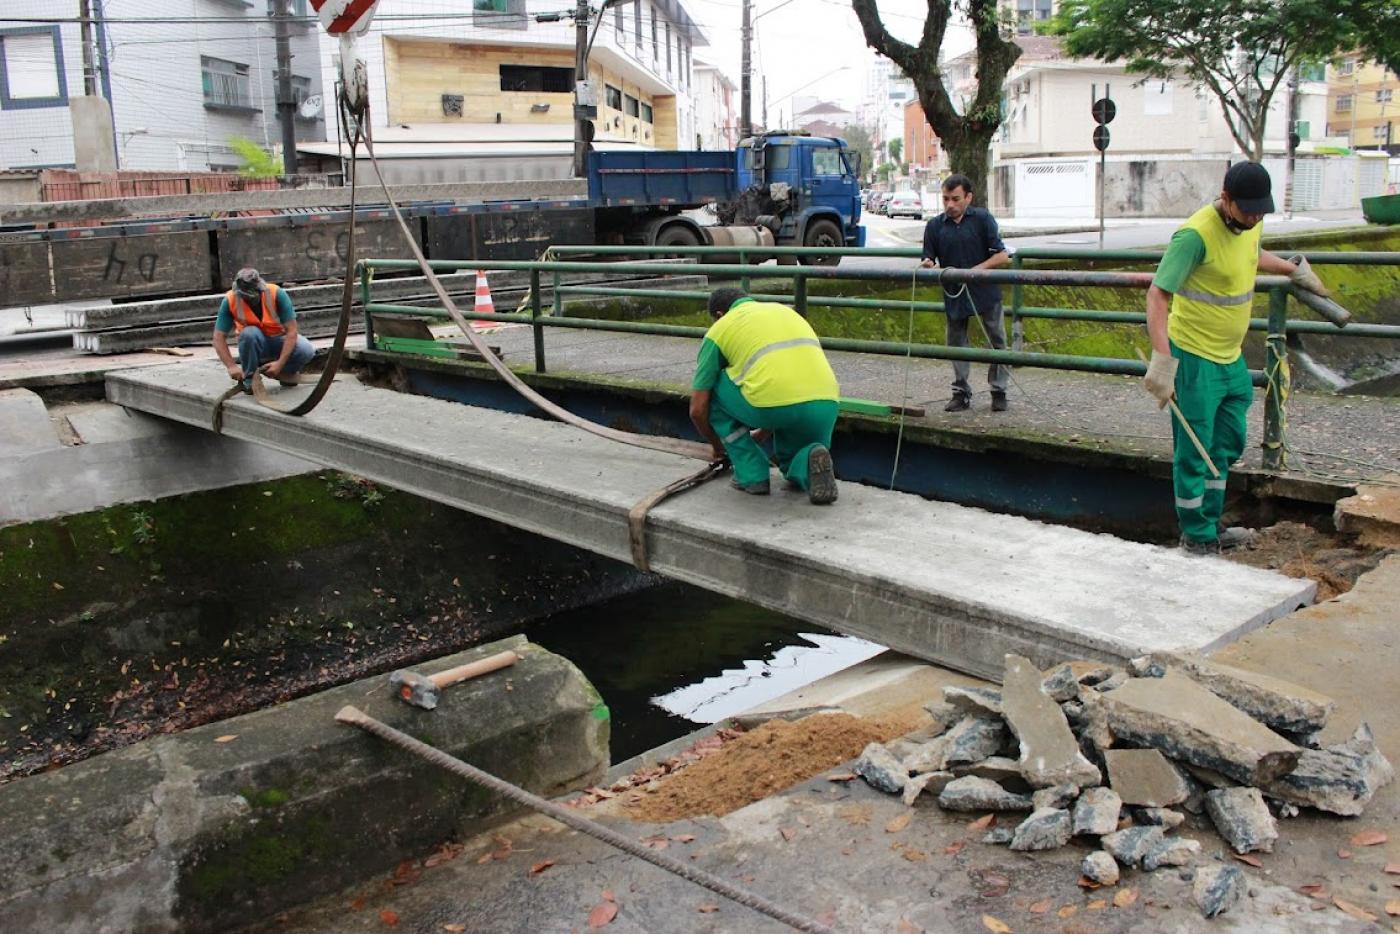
(295, 7)
(614, 96)
(226, 84)
(668, 48)
(647, 114)
(31, 68)
(655, 49)
(1380, 133)
(537, 79)
(1346, 66)
(637, 24)
(631, 106)
(1344, 104)
(1383, 96)
(617, 22)
(499, 14)
(1028, 12)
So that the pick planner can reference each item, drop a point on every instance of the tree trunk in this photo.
(970, 156)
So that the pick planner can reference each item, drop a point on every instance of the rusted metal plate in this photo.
(24, 274)
(307, 252)
(121, 267)
(506, 234)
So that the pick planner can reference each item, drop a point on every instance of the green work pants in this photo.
(796, 428)
(1214, 398)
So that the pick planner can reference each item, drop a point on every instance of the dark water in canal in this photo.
(702, 656)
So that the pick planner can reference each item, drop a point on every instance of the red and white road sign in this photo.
(345, 17)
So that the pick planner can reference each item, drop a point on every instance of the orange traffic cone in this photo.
(484, 305)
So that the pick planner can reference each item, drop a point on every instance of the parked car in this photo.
(905, 204)
(881, 201)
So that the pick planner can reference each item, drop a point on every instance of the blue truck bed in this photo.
(661, 177)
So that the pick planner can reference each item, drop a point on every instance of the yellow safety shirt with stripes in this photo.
(1210, 311)
(771, 353)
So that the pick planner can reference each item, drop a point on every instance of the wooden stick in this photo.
(1186, 426)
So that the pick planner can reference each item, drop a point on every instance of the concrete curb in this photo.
(226, 824)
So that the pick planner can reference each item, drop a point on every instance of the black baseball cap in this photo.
(1248, 185)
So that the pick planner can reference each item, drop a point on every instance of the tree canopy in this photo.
(1240, 50)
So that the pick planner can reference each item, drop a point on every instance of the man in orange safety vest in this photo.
(262, 318)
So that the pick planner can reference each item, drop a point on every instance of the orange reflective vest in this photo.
(244, 315)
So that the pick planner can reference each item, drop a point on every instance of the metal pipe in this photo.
(535, 303)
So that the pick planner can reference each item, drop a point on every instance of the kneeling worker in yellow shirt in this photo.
(761, 366)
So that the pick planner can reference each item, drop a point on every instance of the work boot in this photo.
(1195, 548)
(757, 488)
(959, 403)
(999, 403)
(247, 386)
(821, 476)
(1236, 536)
(289, 381)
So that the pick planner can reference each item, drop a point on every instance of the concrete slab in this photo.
(24, 424)
(960, 586)
(1373, 514)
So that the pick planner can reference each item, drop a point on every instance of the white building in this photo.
(184, 83)
(716, 119)
(887, 90)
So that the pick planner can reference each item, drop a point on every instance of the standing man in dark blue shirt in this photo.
(965, 237)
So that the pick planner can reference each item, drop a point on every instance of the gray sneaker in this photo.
(1194, 548)
(1236, 536)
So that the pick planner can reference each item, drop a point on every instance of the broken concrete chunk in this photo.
(1144, 777)
(926, 757)
(1272, 701)
(1172, 851)
(973, 739)
(998, 836)
(1340, 779)
(932, 782)
(1045, 829)
(1283, 810)
(1185, 721)
(1049, 752)
(979, 702)
(971, 793)
(944, 716)
(879, 767)
(1217, 889)
(1074, 712)
(1091, 673)
(1061, 683)
(1112, 682)
(1243, 819)
(1096, 812)
(1159, 817)
(1093, 729)
(1130, 846)
(1057, 796)
(1100, 867)
(1144, 666)
(1208, 778)
(1311, 740)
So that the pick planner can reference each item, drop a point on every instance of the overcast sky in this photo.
(801, 45)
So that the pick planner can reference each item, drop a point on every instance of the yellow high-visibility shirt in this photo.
(773, 355)
(1210, 312)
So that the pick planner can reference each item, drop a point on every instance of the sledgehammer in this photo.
(423, 690)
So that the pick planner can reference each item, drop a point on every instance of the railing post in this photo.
(536, 304)
(1018, 331)
(743, 261)
(1276, 382)
(364, 303)
(799, 294)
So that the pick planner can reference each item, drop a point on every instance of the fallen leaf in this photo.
(684, 838)
(995, 925)
(1344, 854)
(1393, 868)
(953, 849)
(484, 858)
(1314, 891)
(1392, 907)
(1249, 859)
(1067, 911)
(1097, 903)
(540, 867)
(357, 903)
(454, 928)
(914, 855)
(608, 896)
(602, 914)
(992, 884)
(1369, 838)
(390, 918)
(1088, 884)
(1124, 898)
(707, 909)
(899, 823)
(227, 738)
(1356, 911)
(657, 843)
(983, 822)
(856, 815)
(1040, 907)
(842, 777)
(905, 927)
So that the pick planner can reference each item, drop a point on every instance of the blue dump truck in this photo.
(783, 189)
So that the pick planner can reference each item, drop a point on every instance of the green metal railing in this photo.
(1277, 325)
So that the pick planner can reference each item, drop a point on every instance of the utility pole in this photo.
(89, 65)
(1292, 141)
(745, 79)
(580, 76)
(286, 103)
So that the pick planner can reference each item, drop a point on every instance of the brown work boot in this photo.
(821, 476)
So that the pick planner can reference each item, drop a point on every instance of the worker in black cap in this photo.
(264, 322)
(1198, 311)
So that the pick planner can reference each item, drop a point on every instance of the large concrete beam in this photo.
(198, 832)
(172, 205)
(958, 586)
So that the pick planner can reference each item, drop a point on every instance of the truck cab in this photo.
(807, 188)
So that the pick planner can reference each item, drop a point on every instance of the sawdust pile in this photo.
(765, 760)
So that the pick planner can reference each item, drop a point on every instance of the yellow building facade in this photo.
(1363, 104)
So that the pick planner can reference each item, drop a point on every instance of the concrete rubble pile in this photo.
(1121, 756)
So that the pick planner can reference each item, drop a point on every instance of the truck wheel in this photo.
(822, 233)
(676, 235)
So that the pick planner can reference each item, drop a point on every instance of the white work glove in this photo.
(1303, 277)
(1160, 380)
